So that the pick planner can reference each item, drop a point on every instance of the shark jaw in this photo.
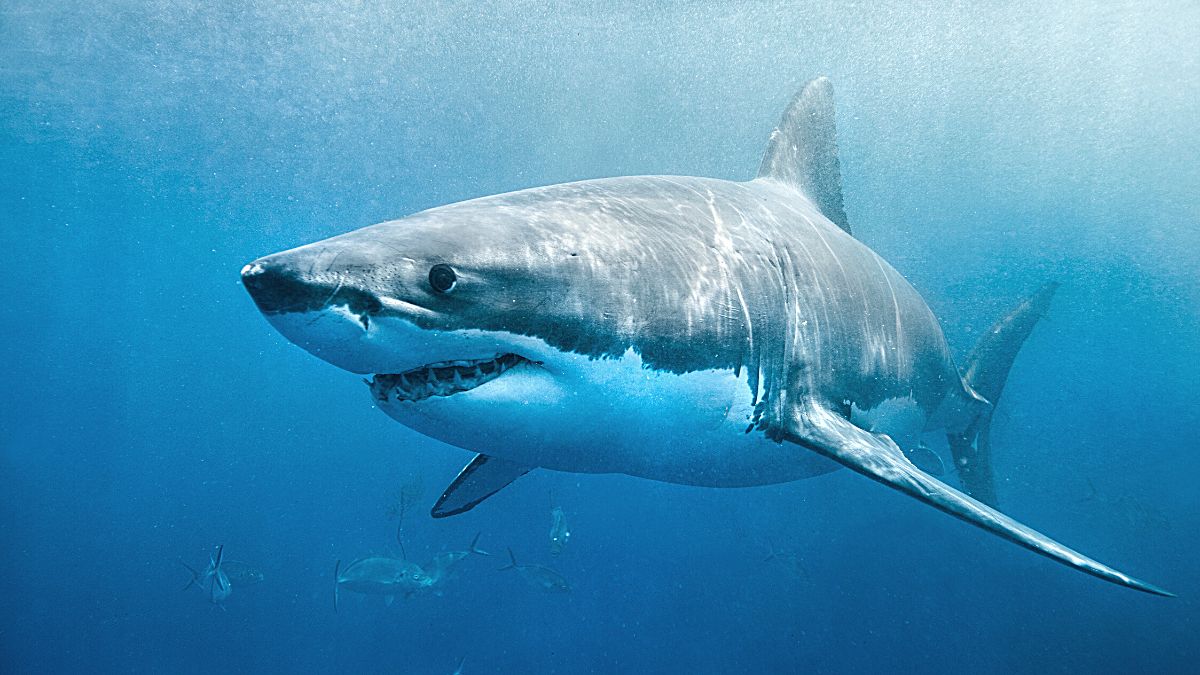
(444, 378)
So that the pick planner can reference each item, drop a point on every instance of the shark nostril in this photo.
(277, 289)
(281, 287)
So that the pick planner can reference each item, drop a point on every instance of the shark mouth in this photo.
(444, 378)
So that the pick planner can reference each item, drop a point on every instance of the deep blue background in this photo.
(148, 151)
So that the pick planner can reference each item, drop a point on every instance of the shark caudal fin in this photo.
(803, 151)
(985, 373)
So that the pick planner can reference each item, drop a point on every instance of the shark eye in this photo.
(442, 278)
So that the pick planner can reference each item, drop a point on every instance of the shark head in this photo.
(439, 305)
(484, 320)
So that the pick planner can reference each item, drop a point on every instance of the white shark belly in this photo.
(689, 428)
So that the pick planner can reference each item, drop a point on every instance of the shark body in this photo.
(690, 330)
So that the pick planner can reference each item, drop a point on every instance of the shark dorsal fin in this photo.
(803, 151)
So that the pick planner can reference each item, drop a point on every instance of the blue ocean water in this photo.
(150, 149)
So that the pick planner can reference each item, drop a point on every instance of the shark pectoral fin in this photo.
(878, 458)
(483, 477)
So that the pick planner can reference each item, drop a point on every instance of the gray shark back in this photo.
(699, 274)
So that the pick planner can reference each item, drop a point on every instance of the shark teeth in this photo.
(444, 378)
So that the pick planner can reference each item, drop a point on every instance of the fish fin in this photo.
(512, 562)
(474, 546)
(481, 478)
(773, 554)
(220, 555)
(878, 458)
(985, 374)
(803, 151)
(195, 575)
(926, 460)
(388, 600)
(1089, 497)
(337, 572)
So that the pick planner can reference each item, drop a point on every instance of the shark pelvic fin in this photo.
(878, 458)
(483, 477)
(985, 373)
(803, 151)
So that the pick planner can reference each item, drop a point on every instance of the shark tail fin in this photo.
(512, 561)
(337, 571)
(474, 548)
(985, 374)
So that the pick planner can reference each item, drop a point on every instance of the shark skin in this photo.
(690, 330)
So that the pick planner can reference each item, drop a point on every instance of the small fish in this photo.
(560, 533)
(1136, 514)
(241, 574)
(790, 561)
(443, 566)
(213, 580)
(387, 577)
(539, 577)
(926, 460)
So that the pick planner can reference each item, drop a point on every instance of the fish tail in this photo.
(773, 554)
(474, 546)
(337, 570)
(513, 561)
(195, 575)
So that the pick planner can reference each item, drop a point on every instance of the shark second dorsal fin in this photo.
(803, 151)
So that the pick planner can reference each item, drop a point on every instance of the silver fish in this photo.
(539, 577)
(241, 574)
(387, 577)
(445, 564)
(560, 533)
(212, 580)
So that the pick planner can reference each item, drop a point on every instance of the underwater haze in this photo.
(149, 150)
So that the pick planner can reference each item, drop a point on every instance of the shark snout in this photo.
(279, 285)
(279, 289)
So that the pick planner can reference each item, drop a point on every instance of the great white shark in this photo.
(690, 330)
